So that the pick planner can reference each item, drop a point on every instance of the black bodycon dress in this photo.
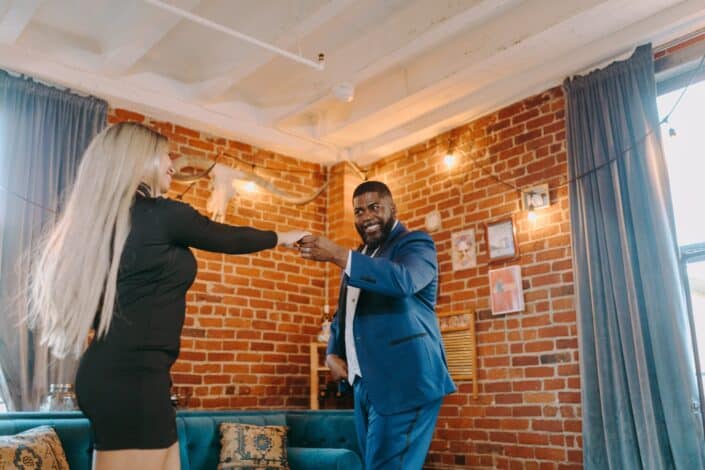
(123, 381)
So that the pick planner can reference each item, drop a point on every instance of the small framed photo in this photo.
(535, 197)
(506, 290)
(501, 240)
(464, 252)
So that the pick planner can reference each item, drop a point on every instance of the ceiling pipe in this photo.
(319, 65)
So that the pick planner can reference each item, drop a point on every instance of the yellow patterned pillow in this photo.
(34, 449)
(250, 447)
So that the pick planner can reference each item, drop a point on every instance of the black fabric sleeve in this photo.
(185, 226)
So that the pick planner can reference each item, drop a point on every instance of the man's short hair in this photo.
(372, 187)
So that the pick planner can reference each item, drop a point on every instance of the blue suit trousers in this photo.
(397, 441)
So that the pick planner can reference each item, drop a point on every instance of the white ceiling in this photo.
(419, 67)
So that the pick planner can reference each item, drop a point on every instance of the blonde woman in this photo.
(118, 262)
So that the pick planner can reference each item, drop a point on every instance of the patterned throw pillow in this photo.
(250, 447)
(34, 449)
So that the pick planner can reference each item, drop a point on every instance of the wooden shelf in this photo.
(316, 368)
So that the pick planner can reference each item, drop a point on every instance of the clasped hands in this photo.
(319, 248)
(313, 247)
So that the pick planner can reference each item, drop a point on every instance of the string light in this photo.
(620, 154)
(449, 160)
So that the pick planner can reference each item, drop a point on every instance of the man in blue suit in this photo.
(385, 338)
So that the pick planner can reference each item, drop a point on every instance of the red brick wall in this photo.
(249, 318)
(341, 229)
(528, 411)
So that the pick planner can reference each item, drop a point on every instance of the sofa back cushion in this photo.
(323, 429)
(74, 433)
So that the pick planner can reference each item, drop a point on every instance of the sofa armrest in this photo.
(308, 458)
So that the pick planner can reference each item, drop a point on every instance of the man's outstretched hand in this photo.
(322, 249)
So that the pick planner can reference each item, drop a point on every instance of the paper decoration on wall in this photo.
(506, 290)
(464, 250)
(433, 221)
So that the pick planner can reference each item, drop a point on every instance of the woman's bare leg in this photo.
(143, 459)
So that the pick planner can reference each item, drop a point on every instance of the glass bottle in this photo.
(60, 398)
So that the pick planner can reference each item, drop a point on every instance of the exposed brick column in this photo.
(342, 182)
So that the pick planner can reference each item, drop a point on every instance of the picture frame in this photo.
(463, 250)
(535, 197)
(506, 290)
(500, 236)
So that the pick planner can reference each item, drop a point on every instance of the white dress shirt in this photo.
(350, 308)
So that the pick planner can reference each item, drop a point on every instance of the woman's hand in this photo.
(290, 238)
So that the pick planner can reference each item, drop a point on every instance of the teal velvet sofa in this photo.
(317, 440)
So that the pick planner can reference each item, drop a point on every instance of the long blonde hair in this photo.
(74, 276)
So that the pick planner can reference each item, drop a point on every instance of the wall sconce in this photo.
(536, 197)
(250, 187)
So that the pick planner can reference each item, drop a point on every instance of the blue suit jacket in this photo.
(396, 332)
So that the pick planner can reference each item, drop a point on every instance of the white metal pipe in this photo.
(231, 32)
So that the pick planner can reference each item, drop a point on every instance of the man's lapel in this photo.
(398, 229)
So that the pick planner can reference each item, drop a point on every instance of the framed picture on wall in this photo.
(463, 250)
(501, 240)
(506, 290)
(536, 197)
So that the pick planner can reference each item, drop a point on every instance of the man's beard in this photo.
(374, 243)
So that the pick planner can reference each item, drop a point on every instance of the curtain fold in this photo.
(43, 133)
(640, 397)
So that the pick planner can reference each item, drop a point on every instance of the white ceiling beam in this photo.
(404, 92)
(122, 93)
(662, 26)
(437, 25)
(16, 18)
(431, 83)
(213, 88)
(147, 26)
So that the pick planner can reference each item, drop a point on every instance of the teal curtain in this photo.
(43, 133)
(639, 391)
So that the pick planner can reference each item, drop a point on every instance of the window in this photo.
(685, 159)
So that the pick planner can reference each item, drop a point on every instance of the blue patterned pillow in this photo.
(35, 449)
(250, 447)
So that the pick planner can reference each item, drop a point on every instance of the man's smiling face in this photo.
(374, 218)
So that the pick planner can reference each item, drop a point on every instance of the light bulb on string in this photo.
(449, 160)
(671, 130)
(531, 216)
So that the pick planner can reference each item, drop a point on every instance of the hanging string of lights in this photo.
(474, 163)
(449, 157)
